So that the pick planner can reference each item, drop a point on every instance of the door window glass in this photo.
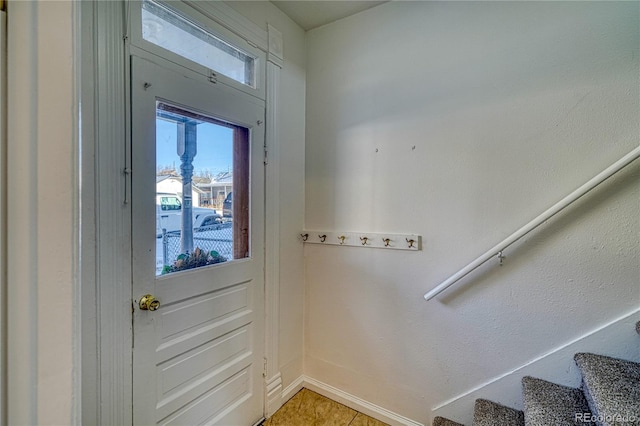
(200, 162)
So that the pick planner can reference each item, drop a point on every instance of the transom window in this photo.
(170, 30)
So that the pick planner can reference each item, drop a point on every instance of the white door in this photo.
(197, 358)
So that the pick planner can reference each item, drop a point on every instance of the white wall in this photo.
(41, 214)
(461, 122)
(291, 145)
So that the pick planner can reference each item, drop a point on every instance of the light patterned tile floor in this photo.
(307, 408)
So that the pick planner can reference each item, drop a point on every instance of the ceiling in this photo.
(311, 14)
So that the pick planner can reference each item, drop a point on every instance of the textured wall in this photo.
(461, 122)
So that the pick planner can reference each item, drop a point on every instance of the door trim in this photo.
(106, 313)
(273, 379)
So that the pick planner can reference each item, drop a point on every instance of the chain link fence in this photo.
(217, 238)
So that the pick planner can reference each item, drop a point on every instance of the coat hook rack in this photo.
(387, 241)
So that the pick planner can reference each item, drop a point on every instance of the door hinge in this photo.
(213, 77)
(266, 159)
(264, 368)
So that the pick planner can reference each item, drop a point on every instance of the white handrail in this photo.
(566, 201)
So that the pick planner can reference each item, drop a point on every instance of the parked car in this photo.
(227, 208)
(169, 214)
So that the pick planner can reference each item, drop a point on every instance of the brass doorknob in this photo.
(149, 303)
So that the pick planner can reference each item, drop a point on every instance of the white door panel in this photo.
(232, 273)
(198, 358)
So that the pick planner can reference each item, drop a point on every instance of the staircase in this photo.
(609, 396)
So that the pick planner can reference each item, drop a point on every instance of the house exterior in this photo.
(173, 185)
(215, 189)
(469, 119)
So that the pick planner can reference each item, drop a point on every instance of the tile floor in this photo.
(307, 408)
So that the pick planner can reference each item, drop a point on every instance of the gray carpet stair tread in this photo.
(611, 386)
(441, 421)
(547, 403)
(488, 413)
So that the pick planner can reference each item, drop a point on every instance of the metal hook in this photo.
(304, 237)
(146, 85)
(410, 241)
(364, 240)
(386, 241)
(342, 238)
(501, 257)
(322, 238)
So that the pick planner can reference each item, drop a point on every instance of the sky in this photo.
(214, 152)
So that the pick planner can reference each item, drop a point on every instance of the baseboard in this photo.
(617, 339)
(357, 404)
(273, 391)
(292, 389)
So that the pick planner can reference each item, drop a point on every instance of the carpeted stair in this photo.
(610, 396)
(547, 403)
(441, 421)
(611, 387)
(487, 413)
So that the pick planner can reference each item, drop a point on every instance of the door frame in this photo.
(106, 314)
